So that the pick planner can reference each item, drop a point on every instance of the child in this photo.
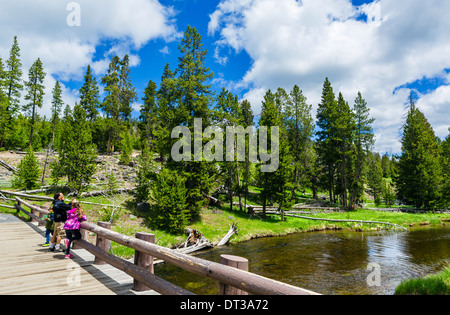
(72, 226)
(49, 227)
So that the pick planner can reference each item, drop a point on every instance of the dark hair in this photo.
(56, 197)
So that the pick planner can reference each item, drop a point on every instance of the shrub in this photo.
(27, 175)
(169, 194)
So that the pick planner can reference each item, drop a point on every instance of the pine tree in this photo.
(228, 114)
(77, 154)
(4, 116)
(344, 126)
(419, 168)
(111, 104)
(145, 175)
(326, 137)
(89, 95)
(170, 209)
(14, 78)
(364, 140)
(126, 146)
(127, 93)
(445, 156)
(246, 120)
(27, 175)
(299, 126)
(57, 104)
(35, 95)
(375, 177)
(276, 184)
(386, 164)
(194, 97)
(167, 99)
(149, 122)
(388, 193)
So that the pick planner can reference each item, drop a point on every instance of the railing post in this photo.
(102, 243)
(41, 215)
(36, 213)
(235, 262)
(143, 260)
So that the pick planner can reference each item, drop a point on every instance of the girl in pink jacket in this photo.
(72, 226)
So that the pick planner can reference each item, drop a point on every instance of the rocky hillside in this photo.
(124, 174)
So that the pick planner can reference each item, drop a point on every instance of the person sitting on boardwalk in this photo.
(72, 226)
(60, 210)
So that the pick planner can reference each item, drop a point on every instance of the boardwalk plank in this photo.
(26, 268)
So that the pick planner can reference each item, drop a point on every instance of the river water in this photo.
(333, 263)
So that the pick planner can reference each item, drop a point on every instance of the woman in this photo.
(60, 212)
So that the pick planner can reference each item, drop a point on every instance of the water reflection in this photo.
(332, 262)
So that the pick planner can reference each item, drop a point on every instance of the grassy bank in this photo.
(431, 285)
(215, 221)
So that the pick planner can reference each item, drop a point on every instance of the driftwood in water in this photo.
(233, 230)
(8, 167)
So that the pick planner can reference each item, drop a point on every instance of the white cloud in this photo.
(43, 31)
(302, 42)
(165, 50)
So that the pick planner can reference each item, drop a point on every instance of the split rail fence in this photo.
(232, 273)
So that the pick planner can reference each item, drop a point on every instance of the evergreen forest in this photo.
(329, 152)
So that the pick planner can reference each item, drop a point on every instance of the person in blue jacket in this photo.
(60, 210)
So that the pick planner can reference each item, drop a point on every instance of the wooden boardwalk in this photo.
(26, 268)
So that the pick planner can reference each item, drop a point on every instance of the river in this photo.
(333, 263)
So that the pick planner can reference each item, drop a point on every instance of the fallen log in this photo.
(195, 248)
(8, 167)
(213, 201)
(338, 220)
(233, 230)
(194, 242)
(106, 192)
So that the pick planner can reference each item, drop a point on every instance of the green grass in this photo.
(214, 225)
(215, 221)
(431, 285)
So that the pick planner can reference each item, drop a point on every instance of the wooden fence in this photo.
(231, 273)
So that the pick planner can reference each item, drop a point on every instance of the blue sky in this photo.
(385, 48)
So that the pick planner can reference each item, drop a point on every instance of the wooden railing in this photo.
(233, 280)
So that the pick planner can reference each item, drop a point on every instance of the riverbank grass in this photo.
(215, 223)
(431, 285)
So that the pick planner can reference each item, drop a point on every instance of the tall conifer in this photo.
(326, 136)
(57, 104)
(35, 92)
(194, 97)
(89, 95)
(77, 153)
(14, 77)
(419, 168)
